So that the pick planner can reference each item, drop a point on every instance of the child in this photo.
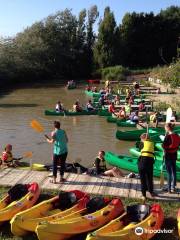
(7, 157)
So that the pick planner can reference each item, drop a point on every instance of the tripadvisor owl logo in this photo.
(139, 231)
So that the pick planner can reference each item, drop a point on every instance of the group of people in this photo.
(71, 83)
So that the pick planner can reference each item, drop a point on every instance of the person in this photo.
(154, 119)
(99, 167)
(102, 100)
(142, 106)
(131, 100)
(173, 117)
(59, 107)
(7, 158)
(171, 145)
(117, 100)
(107, 83)
(76, 107)
(136, 88)
(134, 117)
(89, 106)
(111, 108)
(145, 165)
(127, 108)
(88, 88)
(102, 91)
(122, 113)
(60, 150)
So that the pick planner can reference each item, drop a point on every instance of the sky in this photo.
(16, 15)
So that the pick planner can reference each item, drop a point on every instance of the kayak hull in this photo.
(123, 227)
(70, 113)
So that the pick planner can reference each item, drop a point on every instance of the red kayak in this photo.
(94, 81)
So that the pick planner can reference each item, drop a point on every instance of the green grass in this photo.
(170, 211)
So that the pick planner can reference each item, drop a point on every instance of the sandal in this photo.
(52, 181)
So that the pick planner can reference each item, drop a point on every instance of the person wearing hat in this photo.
(145, 165)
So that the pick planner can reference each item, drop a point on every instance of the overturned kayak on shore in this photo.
(131, 164)
(124, 227)
(70, 113)
(64, 204)
(99, 211)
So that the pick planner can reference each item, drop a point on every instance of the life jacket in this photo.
(148, 149)
(175, 143)
(111, 109)
(153, 118)
(7, 157)
(102, 164)
(127, 108)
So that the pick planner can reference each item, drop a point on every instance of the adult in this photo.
(127, 108)
(171, 145)
(122, 113)
(59, 107)
(145, 165)
(142, 106)
(117, 100)
(60, 151)
(77, 107)
(107, 83)
(111, 108)
(89, 106)
(136, 88)
(154, 119)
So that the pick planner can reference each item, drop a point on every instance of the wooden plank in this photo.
(34, 176)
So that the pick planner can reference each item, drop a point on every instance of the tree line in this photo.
(67, 46)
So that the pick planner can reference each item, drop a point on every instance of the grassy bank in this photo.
(170, 222)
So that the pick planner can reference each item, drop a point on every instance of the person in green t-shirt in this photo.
(60, 150)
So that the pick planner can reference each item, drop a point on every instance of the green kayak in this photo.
(134, 135)
(70, 113)
(114, 119)
(125, 124)
(104, 112)
(130, 164)
(160, 148)
(92, 94)
(71, 87)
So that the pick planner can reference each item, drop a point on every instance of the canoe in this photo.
(104, 113)
(134, 135)
(159, 147)
(178, 220)
(71, 87)
(65, 228)
(130, 225)
(125, 124)
(48, 210)
(18, 198)
(92, 94)
(130, 164)
(70, 113)
(111, 119)
(94, 81)
(136, 153)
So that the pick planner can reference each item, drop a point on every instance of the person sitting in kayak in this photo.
(8, 159)
(127, 108)
(117, 100)
(59, 107)
(88, 88)
(134, 117)
(102, 100)
(142, 106)
(76, 107)
(122, 113)
(89, 106)
(154, 119)
(111, 108)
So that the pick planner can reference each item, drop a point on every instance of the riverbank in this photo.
(170, 222)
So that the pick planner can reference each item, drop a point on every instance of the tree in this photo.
(106, 45)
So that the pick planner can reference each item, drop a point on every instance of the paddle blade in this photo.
(27, 155)
(162, 180)
(37, 126)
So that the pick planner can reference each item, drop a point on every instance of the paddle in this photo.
(38, 127)
(27, 155)
(161, 181)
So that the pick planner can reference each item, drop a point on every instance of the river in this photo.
(87, 134)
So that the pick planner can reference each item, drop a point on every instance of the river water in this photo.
(87, 134)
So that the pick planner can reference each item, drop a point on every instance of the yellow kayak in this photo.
(178, 219)
(133, 224)
(35, 167)
(19, 198)
(87, 221)
(48, 210)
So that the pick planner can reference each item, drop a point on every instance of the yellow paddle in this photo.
(37, 127)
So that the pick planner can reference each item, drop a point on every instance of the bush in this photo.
(118, 73)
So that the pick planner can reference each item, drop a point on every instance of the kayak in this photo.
(131, 164)
(139, 216)
(159, 147)
(71, 87)
(64, 228)
(70, 113)
(125, 124)
(57, 207)
(18, 198)
(104, 112)
(136, 153)
(94, 81)
(134, 135)
(92, 94)
(178, 219)
(114, 119)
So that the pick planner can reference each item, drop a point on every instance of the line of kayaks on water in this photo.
(74, 212)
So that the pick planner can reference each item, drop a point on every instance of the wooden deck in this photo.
(122, 187)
